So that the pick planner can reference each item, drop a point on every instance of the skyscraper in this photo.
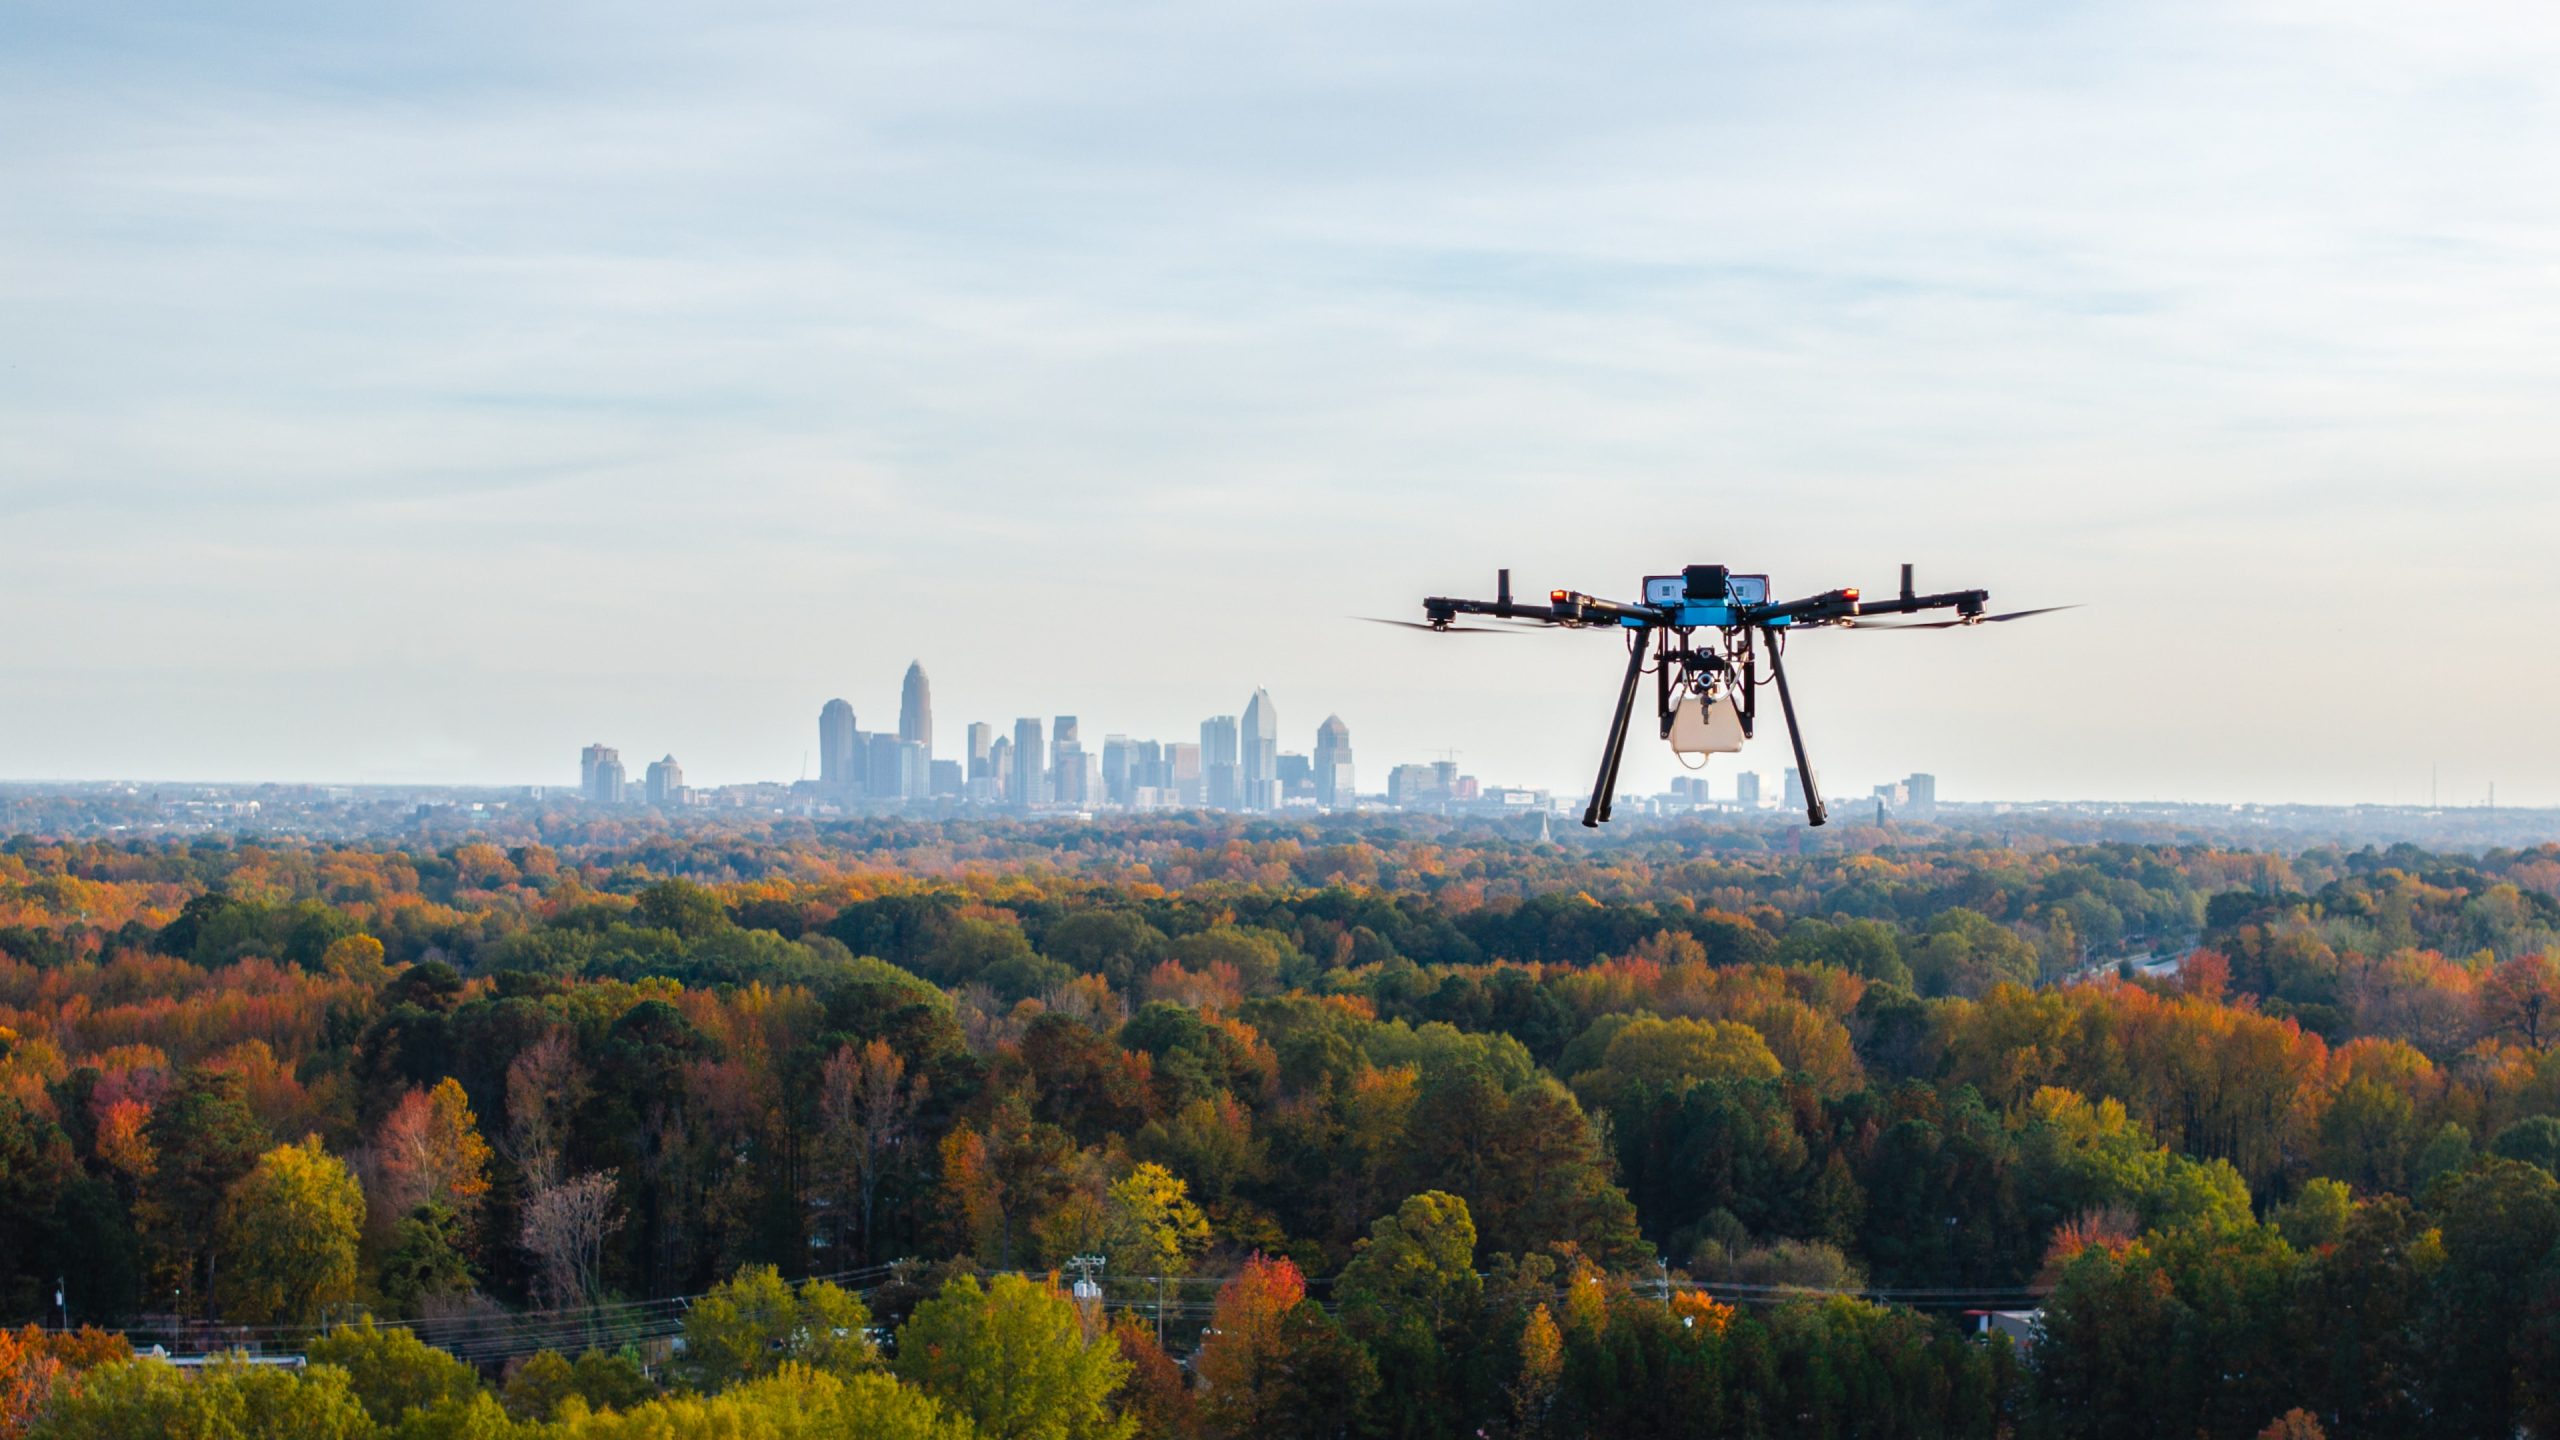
(1066, 768)
(1746, 789)
(1795, 789)
(1260, 760)
(1182, 772)
(1029, 781)
(999, 769)
(839, 767)
(666, 783)
(884, 767)
(915, 708)
(1222, 783)
(1334, 787)
(982, 740)
(1117, 757)
(600, 775)
(1923, 793)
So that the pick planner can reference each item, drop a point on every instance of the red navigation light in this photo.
(1848, 594)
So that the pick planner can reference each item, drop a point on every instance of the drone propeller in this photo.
(1441, 629)
(1953, 624)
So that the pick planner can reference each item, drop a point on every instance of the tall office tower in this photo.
(949, 779)
(666, 783)
(1000, 769)
(1116, 779)
(1294, 777)
(1444, 777)
(982, 740)
(884, 768)
(1062, 735)
(1922, 791)
(1030, 785)
(915, 708)
(1334, 788)
(1073, 781)
(1223, 782)
(1795, 789)
(838, 766)
(915, 770)
(1746, 789)
(1146, 765)
(1411, 784)
(600, 775)
(1183, 772)
(1261, 758)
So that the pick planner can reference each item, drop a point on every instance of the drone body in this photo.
(1706, 633)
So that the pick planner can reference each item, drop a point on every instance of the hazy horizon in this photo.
(416, 397)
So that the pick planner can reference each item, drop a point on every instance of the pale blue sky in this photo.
(420, 396)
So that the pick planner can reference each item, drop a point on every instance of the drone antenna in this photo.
(1502, 585)
(1907, 592)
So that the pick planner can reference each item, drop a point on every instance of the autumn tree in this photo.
(2520, 999)
(1241, 1354)
(565, 1227)
(1406, 1293)
(2499, 1220)
(204, 1139)
(393, 1372)
(866, 1112)
(794, 1402)
(290, 1229)
(230, 1401)
(1153, 1229)
(756, 1322)
(428, 1151)
(1014, 1358)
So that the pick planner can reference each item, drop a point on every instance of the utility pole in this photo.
(1086, 1286)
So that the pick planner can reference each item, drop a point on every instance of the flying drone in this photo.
(1706, 686)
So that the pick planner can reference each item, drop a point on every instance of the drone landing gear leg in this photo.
(1815, 812)
(1606, 786)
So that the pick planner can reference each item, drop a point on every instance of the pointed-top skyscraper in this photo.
(915, 708)
(1261, 757)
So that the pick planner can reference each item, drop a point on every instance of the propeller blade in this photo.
(1953, 624)
(1437, 629)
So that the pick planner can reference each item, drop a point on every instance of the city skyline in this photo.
(1237, 766)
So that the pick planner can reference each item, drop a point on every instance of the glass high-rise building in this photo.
(1221, 777)
(665, 783)
(1000, 769)
(1117, 779)
(1335, 789)
(915, 708)
(883, 767)
(839, 747)
(1260, 760)
(1030, 782)
(600, 779)
(982, 740)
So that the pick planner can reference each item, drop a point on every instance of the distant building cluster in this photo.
(1237, 764)
(1042, 764)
